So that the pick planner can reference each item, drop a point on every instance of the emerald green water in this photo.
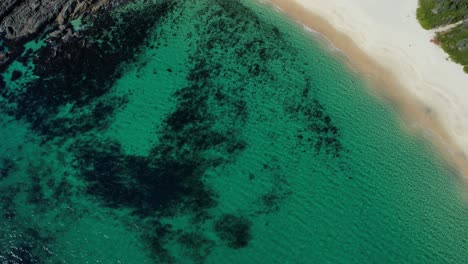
(235, 137)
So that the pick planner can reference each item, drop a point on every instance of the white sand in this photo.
(389, 33)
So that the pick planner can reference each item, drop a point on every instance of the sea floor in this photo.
(212, 131)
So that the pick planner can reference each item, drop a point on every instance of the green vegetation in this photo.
(434, 13)
(455, 43)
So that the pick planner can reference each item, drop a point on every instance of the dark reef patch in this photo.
(320, 134)
(20, 254)
(234, 230)
(156, 236)
(2, 85)
(15, 75)
(195, 245)
(32, 249)
(147, 184)
(36, 192)
(7, 198)
(270, 201)
(26, 57)
(7, 165)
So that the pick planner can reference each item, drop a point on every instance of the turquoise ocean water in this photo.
(212, 131)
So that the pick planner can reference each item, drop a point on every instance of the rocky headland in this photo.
(22, 20)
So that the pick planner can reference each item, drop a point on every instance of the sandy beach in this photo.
(384, 41)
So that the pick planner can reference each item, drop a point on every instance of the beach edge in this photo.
(412, 111)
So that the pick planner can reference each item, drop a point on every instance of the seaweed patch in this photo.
(7, 165)
(233, 230)
(195, 245)
(147, 184)
(15, 75)
(320, 134)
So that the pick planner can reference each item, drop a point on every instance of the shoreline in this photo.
(420, 113)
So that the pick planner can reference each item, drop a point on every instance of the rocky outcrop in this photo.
(21, 20)
(30, 16)
(6, 6)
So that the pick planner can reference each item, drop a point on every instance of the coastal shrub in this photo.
(455, 43)
(434, 13)
(421, 14)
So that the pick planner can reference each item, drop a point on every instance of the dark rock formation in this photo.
(6, 6)
(22, 20)
(4, 57)
(28, 17)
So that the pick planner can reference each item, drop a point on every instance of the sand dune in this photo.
(384, 40)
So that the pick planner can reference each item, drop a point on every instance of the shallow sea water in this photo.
(213, 131)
